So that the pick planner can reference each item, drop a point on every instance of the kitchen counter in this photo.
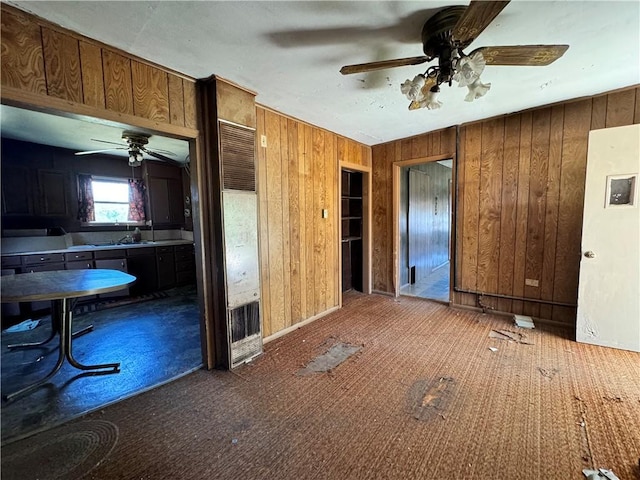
(105, 246)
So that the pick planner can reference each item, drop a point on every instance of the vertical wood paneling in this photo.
(378, 254)
(286, 239)
(92, 77)
(176, 100)
(577, 123)
(22, 57)
(537, 204)
(522, 210)
(190, 111)
(309, 230)
(599, 112)
(318, 223)
(302, 194)
(490, 207)
(274, 198)
(38, 57)
(329, 203)
(117, 82)
(538, 210)
(552, 206)
(470, 214)
(62, 65)
(150, 92)
(295, 243)
(620, 108)
(263, 229)
(509, 204)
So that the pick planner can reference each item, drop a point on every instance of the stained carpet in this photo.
(424, 398)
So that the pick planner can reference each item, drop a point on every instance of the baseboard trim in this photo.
(542, 321)
(380, 292)
(299, 325)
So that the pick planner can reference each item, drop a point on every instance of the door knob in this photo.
(589, 254)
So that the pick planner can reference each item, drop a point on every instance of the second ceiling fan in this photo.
(445, 35)
(136, 145)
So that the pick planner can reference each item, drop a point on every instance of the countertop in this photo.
(105, 246)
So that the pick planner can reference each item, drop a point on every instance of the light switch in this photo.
(263, 140)
(325, 213)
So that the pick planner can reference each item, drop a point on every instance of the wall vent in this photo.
(244, 330)
(237, 151)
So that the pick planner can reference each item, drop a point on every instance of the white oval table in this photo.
(61, 286)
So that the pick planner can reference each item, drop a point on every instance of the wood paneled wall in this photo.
(520, 194)
(42, 59)
(297, 179)
(520, 199)
(442, 142)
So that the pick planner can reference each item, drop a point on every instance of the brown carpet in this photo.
(425, 398)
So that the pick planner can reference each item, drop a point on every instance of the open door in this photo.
(609, 289)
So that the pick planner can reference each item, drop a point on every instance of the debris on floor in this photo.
(493, 349)
(548, 372)
(329, 360)
(510, 336)
(523, 321)
(426, 397)
(23, 326)
(600, 474)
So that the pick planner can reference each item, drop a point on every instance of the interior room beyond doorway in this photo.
(425, 229)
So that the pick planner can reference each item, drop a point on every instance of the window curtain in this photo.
(86, 210)
(136, 200)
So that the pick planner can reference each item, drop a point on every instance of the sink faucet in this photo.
(126, 239)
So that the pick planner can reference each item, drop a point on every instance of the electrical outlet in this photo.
(530, 282)
(325, 213)
(263, 140)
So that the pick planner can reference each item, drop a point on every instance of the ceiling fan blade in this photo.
(105, 141)
(369, 67)
(164, 158)
(534, 55)
(478, 15)
(89, 152)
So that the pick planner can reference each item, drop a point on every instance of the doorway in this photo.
(154, 330)
(425, 229)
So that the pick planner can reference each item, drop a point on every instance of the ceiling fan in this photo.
(136, 147)
(444, 36)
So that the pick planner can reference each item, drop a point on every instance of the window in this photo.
(111, 200)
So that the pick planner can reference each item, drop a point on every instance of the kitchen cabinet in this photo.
(141, 263)
(53, 188)
(80, 261)
(17, 198)
(41, 263)
(185, 264)
(118, 261)
(165, 200)
(165, 260)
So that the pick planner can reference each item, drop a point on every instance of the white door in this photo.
(609, 288)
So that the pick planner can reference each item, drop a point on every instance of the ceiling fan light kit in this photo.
(444, 36)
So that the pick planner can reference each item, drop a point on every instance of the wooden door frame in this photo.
(366, 225)
(35, 102)
(396, 166)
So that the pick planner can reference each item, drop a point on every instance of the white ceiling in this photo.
(290, 53)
